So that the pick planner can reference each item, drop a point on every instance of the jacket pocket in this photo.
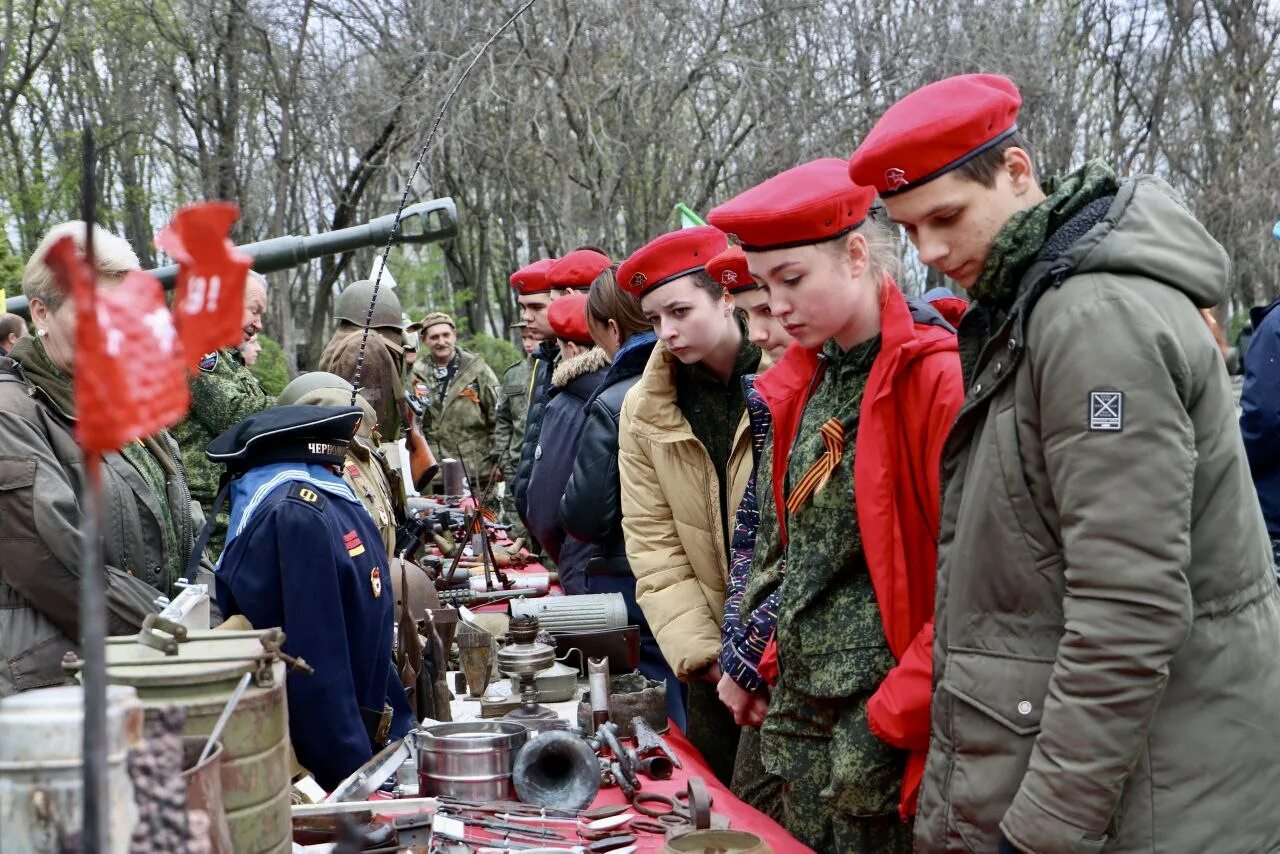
(17, 498)
(996, 703)
(40, 664)
(1040, 540)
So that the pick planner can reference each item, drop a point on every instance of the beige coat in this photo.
(1107, 643)
(671, 518)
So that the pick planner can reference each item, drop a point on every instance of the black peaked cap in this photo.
(304, 434)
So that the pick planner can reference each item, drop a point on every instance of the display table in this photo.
(740, 816)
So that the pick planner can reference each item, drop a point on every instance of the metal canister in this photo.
(41, 792)
(257, 768)
(471, 760)
(586, 612)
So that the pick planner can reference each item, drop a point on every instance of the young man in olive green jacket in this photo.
(1106, 637)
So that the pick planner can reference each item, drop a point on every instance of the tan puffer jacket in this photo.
(671, 518)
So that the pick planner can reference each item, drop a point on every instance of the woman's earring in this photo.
(41, 332)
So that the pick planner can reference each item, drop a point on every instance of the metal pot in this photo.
(470, 760)
(557, 683)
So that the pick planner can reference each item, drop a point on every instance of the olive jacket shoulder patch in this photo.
(1106, 411)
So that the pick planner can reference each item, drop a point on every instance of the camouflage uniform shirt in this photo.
(513, 405)
(843, 782)
(459, 418)
(223, 393)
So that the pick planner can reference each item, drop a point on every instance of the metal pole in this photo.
(93, 626)
(93, 612)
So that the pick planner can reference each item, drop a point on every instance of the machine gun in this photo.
(425, 222)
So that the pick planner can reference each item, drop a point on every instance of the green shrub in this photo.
(498, 353)
(270, 369)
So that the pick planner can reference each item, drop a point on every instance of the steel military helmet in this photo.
(303, 384)
(353, 306)
(320, 388)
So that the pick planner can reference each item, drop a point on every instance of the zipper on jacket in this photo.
(188, 539)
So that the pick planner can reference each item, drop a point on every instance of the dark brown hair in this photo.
(706, 282)
(606, 301)
(984, 168)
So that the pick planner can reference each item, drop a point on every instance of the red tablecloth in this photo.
(741, 816)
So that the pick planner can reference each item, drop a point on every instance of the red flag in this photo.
(129, 379)
(209, 305)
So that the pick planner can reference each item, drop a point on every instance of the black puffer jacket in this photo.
(573, 384)
(591, 509)
(544, 362)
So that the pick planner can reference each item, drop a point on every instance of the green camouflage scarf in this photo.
(1026, 232)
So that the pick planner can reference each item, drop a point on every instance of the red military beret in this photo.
(808, 204)
(578, 269)
(935, 129)
(533, 278)
(729, 268)
(568, 318)
(674, 254)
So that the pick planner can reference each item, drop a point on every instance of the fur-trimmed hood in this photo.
(579, 366)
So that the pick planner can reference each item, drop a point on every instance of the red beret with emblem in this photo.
(674, 254)
(532, 279)
(568, 318)
(729, 268)
(578, 269)
(935, 129)
(811, 203)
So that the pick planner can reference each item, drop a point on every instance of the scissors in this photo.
(692, 807)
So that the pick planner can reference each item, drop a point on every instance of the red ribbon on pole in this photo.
(209, 304)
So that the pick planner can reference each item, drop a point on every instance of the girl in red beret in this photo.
(684, 459)
(861, 405)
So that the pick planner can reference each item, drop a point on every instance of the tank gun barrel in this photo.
(430, 221)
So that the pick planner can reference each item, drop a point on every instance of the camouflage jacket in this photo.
(460, 422)
(832, 651)
(513, 405)
(223, 393)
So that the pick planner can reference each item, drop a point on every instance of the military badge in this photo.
(209, 362)
(638, 279)
(895, 179)
(375, 581)
(355, 548)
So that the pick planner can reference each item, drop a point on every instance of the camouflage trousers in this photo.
(841, 783)
(753, 785)
(711, 729)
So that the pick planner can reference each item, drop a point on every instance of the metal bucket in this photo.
(471, 760)
(41, 792)
(256, 769)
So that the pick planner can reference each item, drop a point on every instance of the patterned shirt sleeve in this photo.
(744, 636)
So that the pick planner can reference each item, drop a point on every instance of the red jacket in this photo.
(911, 399)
